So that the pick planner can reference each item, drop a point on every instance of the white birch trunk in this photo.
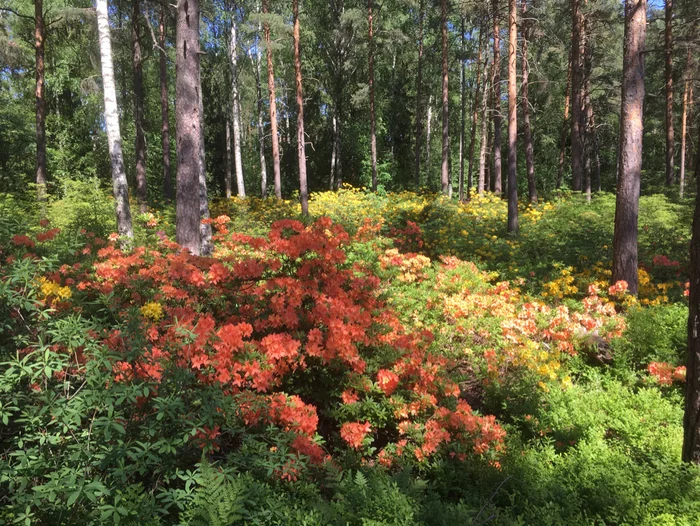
(233, 56)
(114, 141)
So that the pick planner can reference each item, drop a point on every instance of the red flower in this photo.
(354, 433)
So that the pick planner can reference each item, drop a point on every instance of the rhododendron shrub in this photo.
(293, 332)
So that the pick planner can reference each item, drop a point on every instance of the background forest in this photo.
(378, 262)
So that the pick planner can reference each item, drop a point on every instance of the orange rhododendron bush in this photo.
(294, 333)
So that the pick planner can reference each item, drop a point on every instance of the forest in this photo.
(350, 262)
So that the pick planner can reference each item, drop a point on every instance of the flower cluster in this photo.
(665, 373)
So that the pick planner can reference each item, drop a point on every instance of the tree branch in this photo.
(20, 15)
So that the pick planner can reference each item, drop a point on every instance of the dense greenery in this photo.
(98, 427)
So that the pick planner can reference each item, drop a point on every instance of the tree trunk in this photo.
(428, 137)
(233, 57)
(114, 140)
(372, 114)
(496, 176)
(445, 173)
(227, 180)
(140, 139)
(565, 126)
(691, 419)
(273, 107)
(512, 117)
(261, 125)
(164, 112)
(529, 150)
(577, 147)
(482, 183)
(475, 116)
(587, 129)
(206, 247)
(419, 86)
(668, 55)
(628, 185)
(463, 117)
(301, 140)
(188, 127)
(684, 130)
(39, 37)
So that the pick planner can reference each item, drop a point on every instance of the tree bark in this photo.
(164, 111)
(629, 180)
(475, 116)
(114, 141)
(140, 139)
(301, 140)
(428, 137)
(236, 128)
(463, 117)
(687, 94)
(577, 147)
(419, 86)
(445, 173)
(691, 419)
(228, 178)
(565, 125)
(261, 125)
(588, 127)
(512, 117)
(273, 107)
(372, 114)
(482, 182)
(39, 46)
(206, 247)
(496, 175)
(668, 71)
(188, 127)
(529, 150)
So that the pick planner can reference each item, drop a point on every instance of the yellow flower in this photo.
(152, 310)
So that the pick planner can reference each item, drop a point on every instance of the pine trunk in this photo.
(164, 111)
(565, 126)
(691, 419)
(301, 140)
(529, 150)
(463, 117)
(668, 56)
(114, 141)
(228, 178)
(445, 172)
(419, 86)
(188, 127)
(372, 114)
(577, 147)
(39, 46)
(628, 186)
(140, 139)
(475, 116)
(273, 107)
(496, 175)
(512, 117)
(684, 130)
(261, 125)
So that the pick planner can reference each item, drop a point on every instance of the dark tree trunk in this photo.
(629, 180)
(691, 419)
(668, 55)
(164, 111)
(463, 117)
(273, 107)
(529, 150)
(565, 126)
(496, 175)
(475, 116)
(301, 140)
(687, 97)
(577, 147)
(372, 114)
(227, 179)
(419, 86)
(140, 145)
(512, 117)
(588, 128)
(39, 37)
(445, 172)
(188, 126)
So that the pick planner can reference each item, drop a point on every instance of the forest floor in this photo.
(396, 359)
